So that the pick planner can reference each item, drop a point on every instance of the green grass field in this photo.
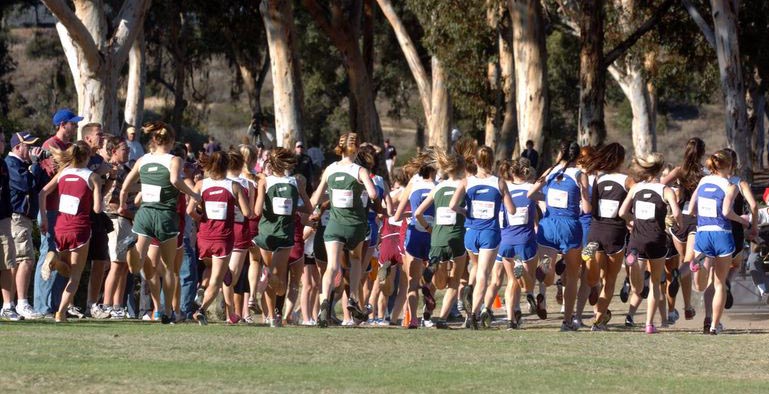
(113, 357)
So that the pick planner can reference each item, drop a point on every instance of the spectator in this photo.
(190, 152)
(316, 155)
(390, 155)
(455, 135)
(7, 249)
(48, 292)
(531, 154)
(304, 166)
(135, 148)
(212, 145)
(24, 191)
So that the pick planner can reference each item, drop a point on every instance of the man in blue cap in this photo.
(48, 292)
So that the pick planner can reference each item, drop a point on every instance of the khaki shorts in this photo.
(21, 230)
(122, 230)
(7, 248)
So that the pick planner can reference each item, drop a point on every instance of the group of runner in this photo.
(453, 220)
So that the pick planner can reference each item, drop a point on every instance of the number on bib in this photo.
(482, 209)
(608, 208)
(151, 193)
(644, 210)
(707, 207)
(282, 206)
(341, 198)
(68, 204)
(557, 198)
(445, 216)
(216, 210)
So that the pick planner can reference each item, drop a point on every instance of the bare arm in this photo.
(316, 196)
(584, 187)
(301, 188)
(458, 197)
(419, 213)
(94, 180)
(363, 176)
(178, 181)
(130, 180)
(671, 176)
(727, 209)
(52, 184)
(403, 200)
(672, 201)
(260, 196)
(624, 210)
(752, 206)
(506, 199)
(192, 205)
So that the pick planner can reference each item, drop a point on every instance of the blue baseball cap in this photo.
(65, 115)
(23, 137)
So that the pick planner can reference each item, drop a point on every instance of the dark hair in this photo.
(719, 161)
(236, 161)
(399, 176)
(367, 157)
(733, 154)
(467, 148)
(485, 158)
(586, 154)
(521, 167)
(216, 164)
(504, 168)
(691, 167)
(529, 142)
(649, 166)
(160, 132)
(568, 151)
(281, 160)
(112, 143)
(607, 159)
(90, 128)
(179, 150)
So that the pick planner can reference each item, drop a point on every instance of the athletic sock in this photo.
(23, 302)
(7, 305)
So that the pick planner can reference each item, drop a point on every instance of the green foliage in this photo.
(563, 84)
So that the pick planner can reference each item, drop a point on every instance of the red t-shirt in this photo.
(48, 165)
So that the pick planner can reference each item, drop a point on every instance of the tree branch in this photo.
(263, 71)
(320, 15)
(650, 23)
(707, 31)
(128, 22)
(77, 31)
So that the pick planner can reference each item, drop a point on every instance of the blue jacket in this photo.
(24, 186)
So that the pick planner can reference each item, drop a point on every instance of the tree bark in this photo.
(592, 76)
(441, 108)
(278, 19)
(507, 130)
(137, 76)
(756, 111)
(492, 110)
(530, 71)
(732, 83)
(95, 60)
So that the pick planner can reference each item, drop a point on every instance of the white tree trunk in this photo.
(728, 50)
(492, 112)
(137, 73)
(441, 109)
(633, 85)
(278, 19)
(530, 57)
(506, 145)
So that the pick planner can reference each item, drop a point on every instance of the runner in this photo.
(79, 191)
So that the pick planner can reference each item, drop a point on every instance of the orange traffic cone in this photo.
(406, 317)
(497, 302)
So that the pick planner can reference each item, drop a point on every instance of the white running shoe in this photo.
(348, 323)
(28, 313)
(117, 313)
(10, 314)
(99, 311)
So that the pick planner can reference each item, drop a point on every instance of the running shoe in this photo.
(99, 312)
(650, 329)
(518, 267)
(532, 303)
(645, 290)
(233, 318)
(541, 307)
(624, 292)
(729, 296)
(518, 317)
(345, 323)
(277, 321)
(117, 313)
(595, 292)
(560, 267)
(60, 317)
(598, 327)
(559, 292)
(200, 317)
(309, 323)
(706, 325)
(178, 318)
(10, 314)
(486, 318)
(254, 306)
(427, 323)
(323, 315)
(440, 324)
(588, 252)
(605, 318)
(75, 312)
(673, 316)
(629, 320)
(674, 283)
(578, 322)
(568, 326)
(249, 319)
(689, 313)
(512, 325)
(354, 309)
(473, 321)
(429, 299)
(460, 305)
(200, 294)
(717, 329)
(631, 257)
(146, 317)
(413, 324)
(28, 313)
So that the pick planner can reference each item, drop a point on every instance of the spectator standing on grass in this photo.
(212, 145)
(7, 248)
(135, 148)
(390, 155)
(531, 154)
(304, 166)
(316, 155)
(24, 206)
(48, 292)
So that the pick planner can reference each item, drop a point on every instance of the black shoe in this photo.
(518, 318)
(624, 293)
(532, 302)
(674, 283)
(473, 321)
(645, 291)
(706, 325)
(467, 297)
(512, 325)
(541, 309)
(354, 309)
(486, 318)
(440, 324)
(729, 296)
(629, 321)
(165, 319)
(323, 315)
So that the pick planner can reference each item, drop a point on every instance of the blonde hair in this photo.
(348, 144)
(250, 155)
(160, 132)
(281, 160)
(452, 164)
(719, 161)
(76, 155)
(648, 166)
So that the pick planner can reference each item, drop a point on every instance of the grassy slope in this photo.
(119, 357)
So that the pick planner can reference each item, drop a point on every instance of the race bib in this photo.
(445, 216)
(608, 208)
(707, 207)
(239, 218)
(520, 217)
(151, 193)
(341, 198)
(216, 210)
(644, 210)
(482, 209)
(282, 206)
(686, 209)
(68, 204)
(557, 198)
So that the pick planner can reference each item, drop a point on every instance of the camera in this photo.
(44, 154)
